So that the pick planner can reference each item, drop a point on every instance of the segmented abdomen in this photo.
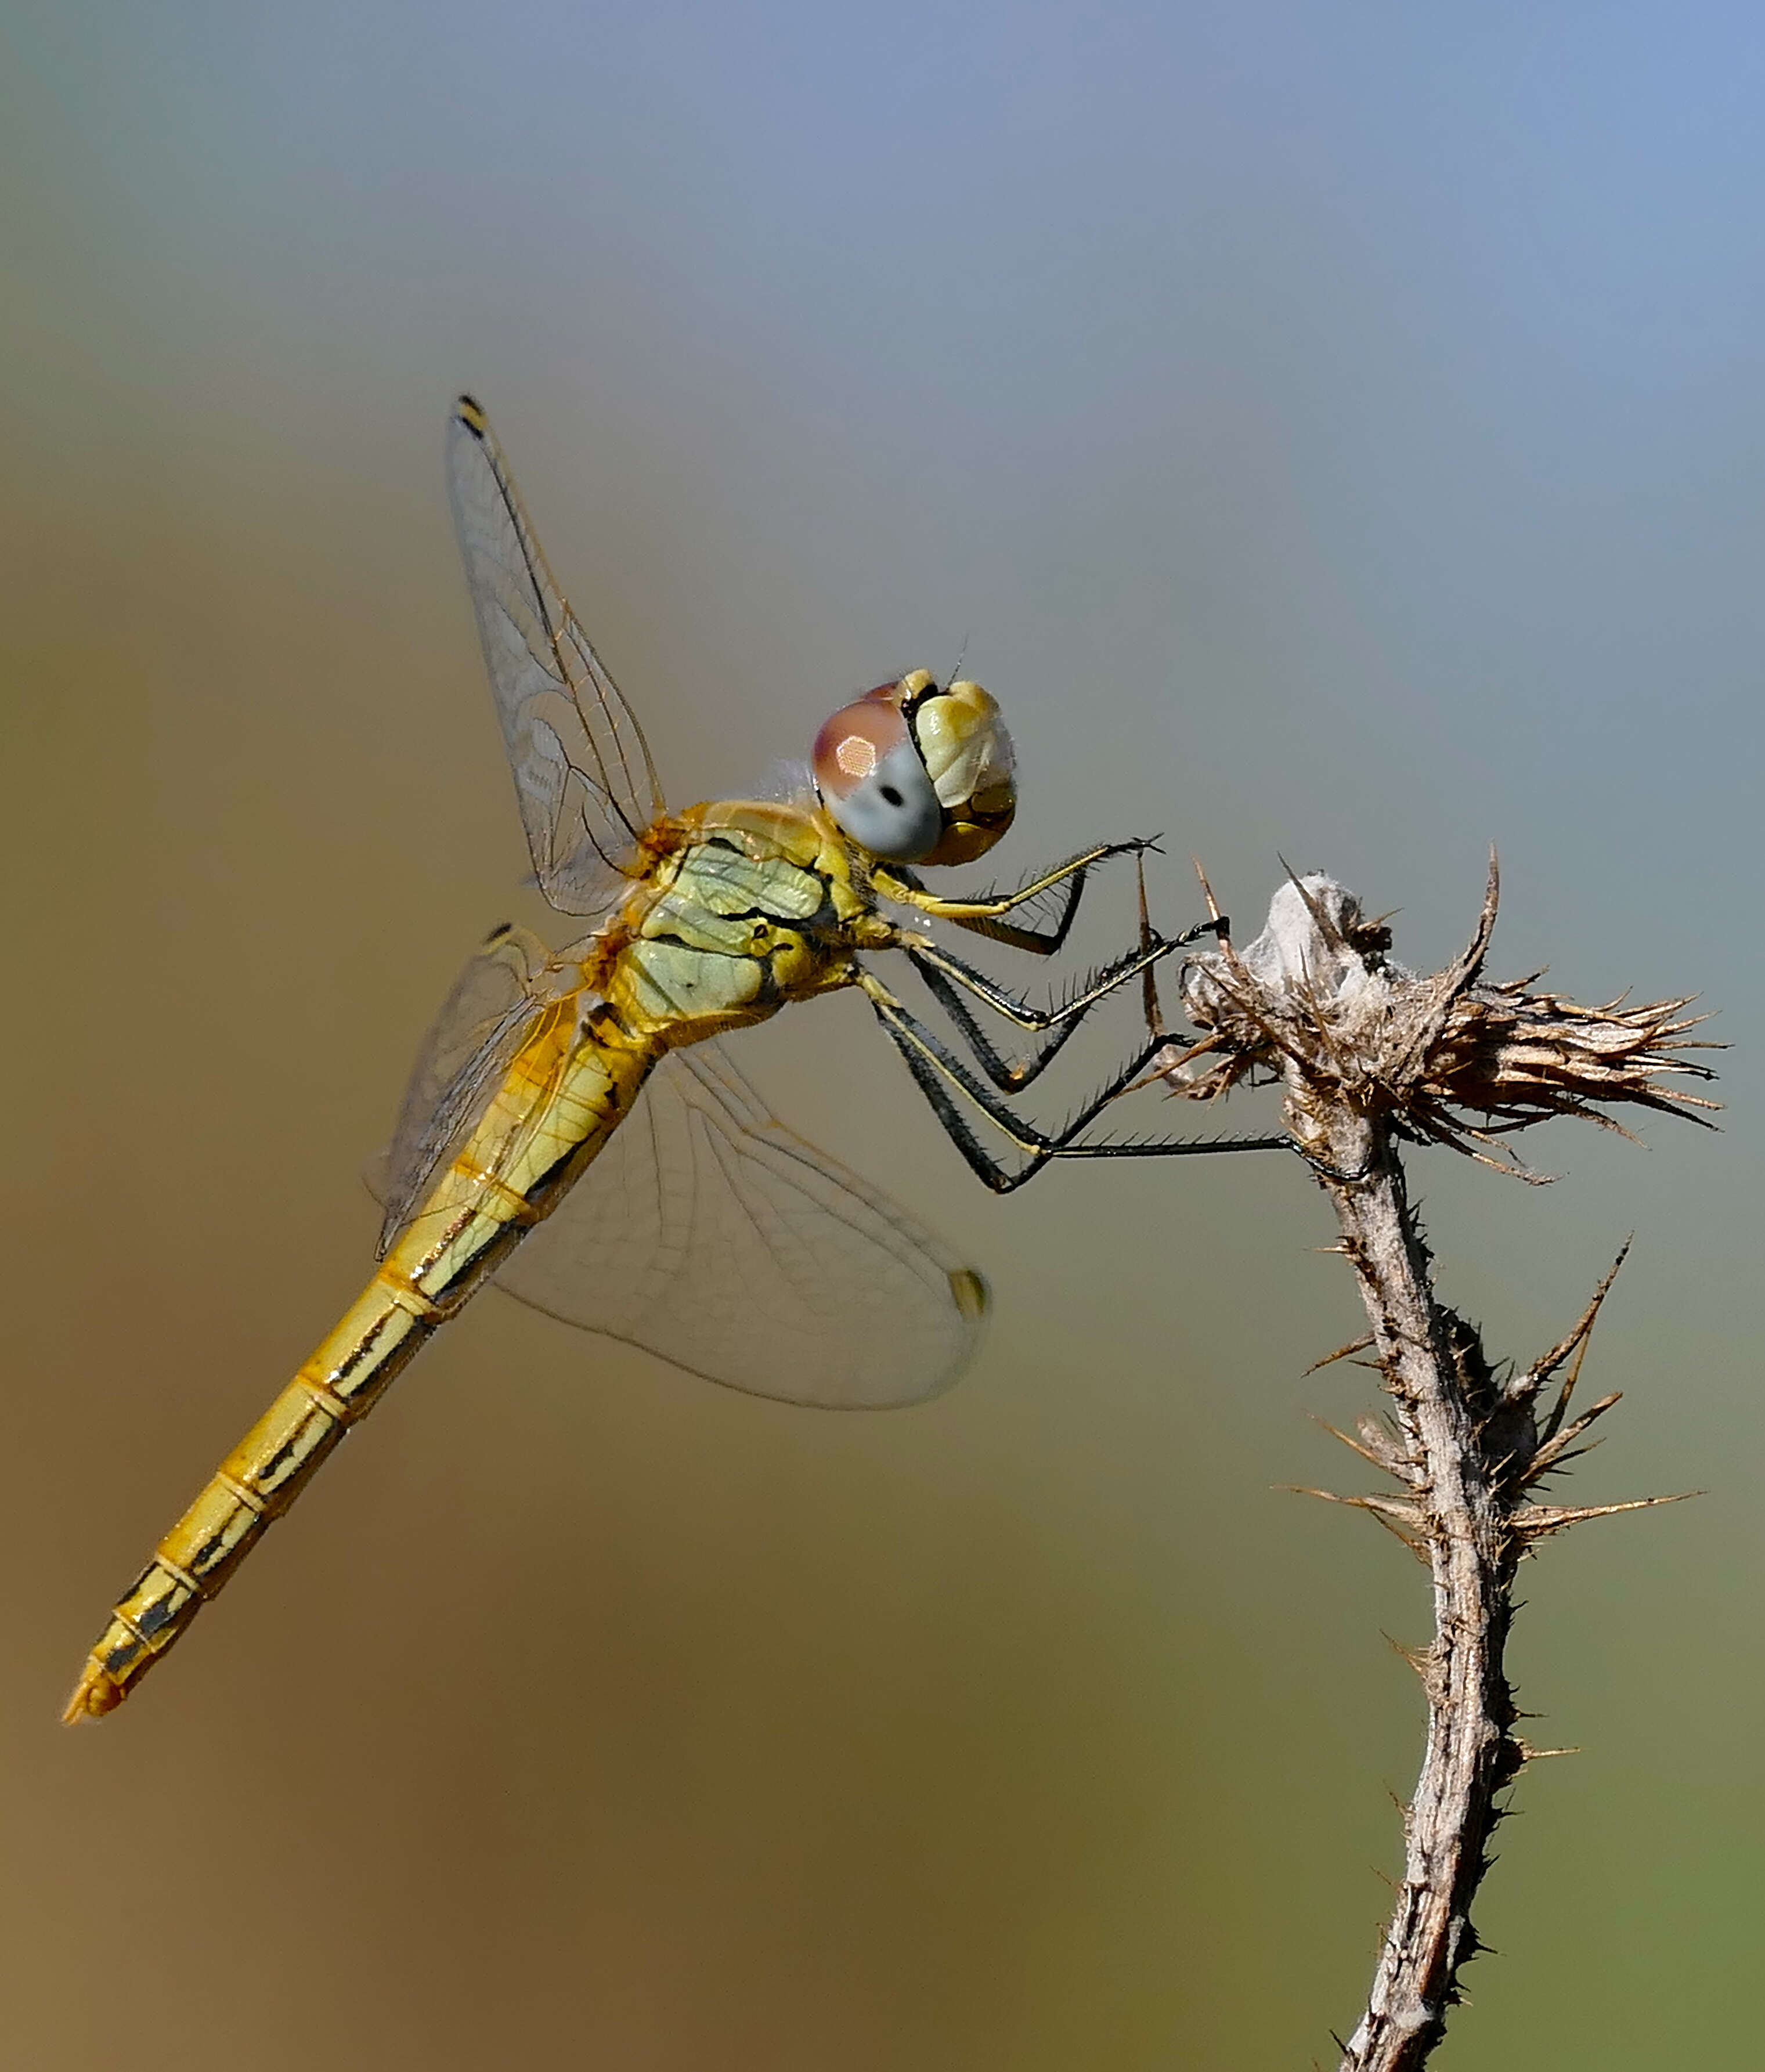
(567, 1091)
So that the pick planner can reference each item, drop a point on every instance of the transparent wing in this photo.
(470, 1046)
(582, 771)
(708, 1232)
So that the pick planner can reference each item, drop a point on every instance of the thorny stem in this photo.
(1464, 1522)
(1368, 1055)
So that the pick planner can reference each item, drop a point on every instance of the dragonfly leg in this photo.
(985, 916)
(941, 1075)
(944, 973)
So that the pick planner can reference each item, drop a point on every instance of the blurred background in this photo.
(1335, 434)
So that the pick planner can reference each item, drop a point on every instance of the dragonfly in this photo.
(575, 1131)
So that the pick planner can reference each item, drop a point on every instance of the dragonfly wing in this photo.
(708, 1232)
(473, 1041)
(582, 771)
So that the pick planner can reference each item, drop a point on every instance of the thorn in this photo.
(1400, 1519)
(1534, 1521)
(1163, 1071)
(1354, 1446)
(1341, 1352)
(1376, 1433)
(1550, 1452)
(1206, 893)
(1560, 1460)
(1447, 988)
(1577, 1343)
(1418, 1657)
(1384, 1506)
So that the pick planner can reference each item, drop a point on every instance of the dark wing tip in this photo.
(972, 1296)
(470, 412)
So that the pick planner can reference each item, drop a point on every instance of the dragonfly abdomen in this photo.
(559, 1102)
(254, 1485)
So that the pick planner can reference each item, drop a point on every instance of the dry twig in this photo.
(1370, 1055)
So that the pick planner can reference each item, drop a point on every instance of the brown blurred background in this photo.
(1334, 434)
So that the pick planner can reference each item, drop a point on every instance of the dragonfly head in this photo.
(918, 774)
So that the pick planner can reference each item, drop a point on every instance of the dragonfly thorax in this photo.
(756, 905)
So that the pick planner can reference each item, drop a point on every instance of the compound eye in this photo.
(869, 772)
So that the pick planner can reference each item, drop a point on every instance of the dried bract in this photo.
(1449, 1058)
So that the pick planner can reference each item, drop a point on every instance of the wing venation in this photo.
(709, 1233)
(470, 1046)
(584, 775)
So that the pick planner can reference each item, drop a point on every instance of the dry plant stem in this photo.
(1370, 1054)
(1461, 1523)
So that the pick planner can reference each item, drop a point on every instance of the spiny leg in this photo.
(936, 1070)
(1010, 1075)
(984, 916)
(943, 973)
(1151, 1005)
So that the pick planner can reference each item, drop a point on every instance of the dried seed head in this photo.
(1448, 1058)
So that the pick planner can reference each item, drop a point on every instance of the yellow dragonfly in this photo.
(701, 1228)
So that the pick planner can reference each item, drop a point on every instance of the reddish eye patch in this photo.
(850, 746)
(873, 780)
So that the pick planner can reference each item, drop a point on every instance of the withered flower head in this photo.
(1450, 1059)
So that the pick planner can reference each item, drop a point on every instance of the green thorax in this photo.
(756, 907)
